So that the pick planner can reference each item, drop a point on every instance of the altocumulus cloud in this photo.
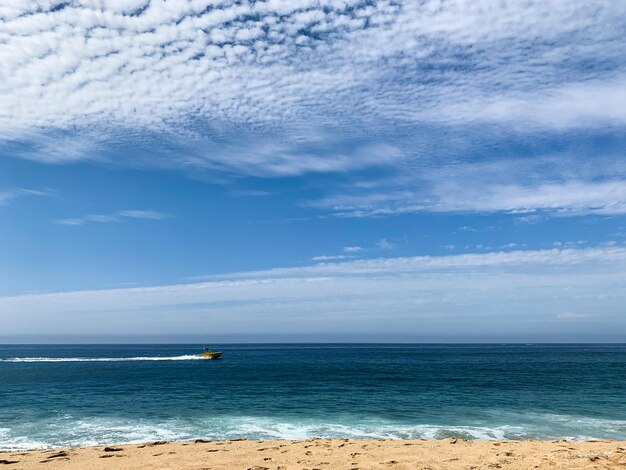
(529, 291)
(286, 88)
(150, 63)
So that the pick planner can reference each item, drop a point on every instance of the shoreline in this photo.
(320, 453)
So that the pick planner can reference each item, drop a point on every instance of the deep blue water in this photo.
(83, 395)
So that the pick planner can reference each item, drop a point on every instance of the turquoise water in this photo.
(83, 395)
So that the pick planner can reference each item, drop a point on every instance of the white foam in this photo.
(267, 428)
(69, 431)
(101, 359)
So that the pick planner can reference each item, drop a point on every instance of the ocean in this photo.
(52, 396)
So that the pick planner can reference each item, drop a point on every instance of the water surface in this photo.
(84, 395)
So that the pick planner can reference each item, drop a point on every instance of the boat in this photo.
(208, 354)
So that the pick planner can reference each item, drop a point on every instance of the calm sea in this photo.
(82, 395)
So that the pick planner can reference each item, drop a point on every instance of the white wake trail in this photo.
(101, 359)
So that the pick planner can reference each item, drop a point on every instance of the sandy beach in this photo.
(330, 454)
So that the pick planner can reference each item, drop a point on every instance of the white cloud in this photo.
(385, 244)
(8, 195)
(573, 197)
(328, 257)
(499, 259)
(297, 72)
(552, 186)
(250, 193)
(350, 251)
(138, 214)
(283, 89)
(115, 217)
(513, 245)
(265, 159)
(88, 218)
(563, 107)
(515, 291)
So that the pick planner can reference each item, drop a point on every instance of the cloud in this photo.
(328, 258)
(417, 264)
(87, 218)
(286, 75)
(562, 107)
(513, 245)
(544, 186)
(575, 197)
(514, 291)
(148, 215)
(271, 159)
(349, 251)
(385, 244)
(250, 193)
(9, 195)
(403, 106)
(115, 217)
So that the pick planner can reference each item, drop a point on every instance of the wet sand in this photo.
(320, 454)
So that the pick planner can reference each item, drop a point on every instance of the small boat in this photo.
(208, 354)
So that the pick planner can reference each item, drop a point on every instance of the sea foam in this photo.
(67, 431)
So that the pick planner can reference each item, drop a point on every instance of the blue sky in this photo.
(313, 169)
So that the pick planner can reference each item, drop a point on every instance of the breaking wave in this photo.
(69, 431)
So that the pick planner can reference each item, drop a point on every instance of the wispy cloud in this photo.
(115, 217)
(328, 257)
(9, 195)
(561, 107)
(568, 198)
(520, 291)
(385, 244)
(149, 215)
(350, 252)
(548, 186)
(416, 264)
(250, 193)
(512, 245)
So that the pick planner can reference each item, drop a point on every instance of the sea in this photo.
(79, 395)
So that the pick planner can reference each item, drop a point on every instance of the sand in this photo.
(330, 454)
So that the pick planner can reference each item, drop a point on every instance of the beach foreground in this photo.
(330, 454)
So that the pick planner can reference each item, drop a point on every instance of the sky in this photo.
(312, 170)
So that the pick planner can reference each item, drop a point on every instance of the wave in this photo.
(73, 431)
(102, 359)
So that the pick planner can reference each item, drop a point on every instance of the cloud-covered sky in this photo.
(158, 142)
(558, 293)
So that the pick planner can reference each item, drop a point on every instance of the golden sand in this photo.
(330, 454)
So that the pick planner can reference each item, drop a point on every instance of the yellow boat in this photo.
(208, 354)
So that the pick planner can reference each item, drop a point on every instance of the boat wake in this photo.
(102, 359)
